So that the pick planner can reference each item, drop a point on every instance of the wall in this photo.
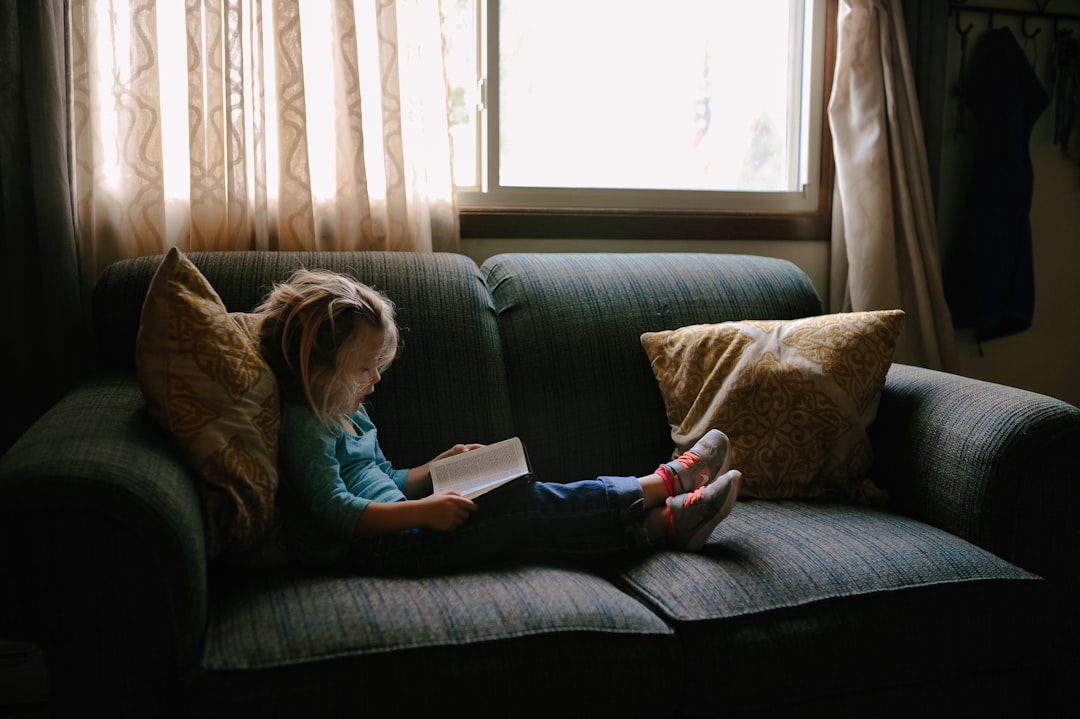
(1045, 357)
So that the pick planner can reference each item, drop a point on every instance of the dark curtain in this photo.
(927, 25)
(43, 326)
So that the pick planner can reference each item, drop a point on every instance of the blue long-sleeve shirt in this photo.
(329, 477)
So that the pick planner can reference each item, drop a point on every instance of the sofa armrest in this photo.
(992, 464)
(102, 538)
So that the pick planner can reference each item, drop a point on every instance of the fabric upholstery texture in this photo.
(795, 397)
(253, 630)
(770, 554)
(583, 394)
(206, 383)
(982, 461)
(146, 498)
(449, 363)
(800, 607)
(884, 588)
(502, 628)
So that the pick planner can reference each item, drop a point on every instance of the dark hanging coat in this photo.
(990, 273)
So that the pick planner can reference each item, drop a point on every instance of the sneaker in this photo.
(699, 465)
(694, 515)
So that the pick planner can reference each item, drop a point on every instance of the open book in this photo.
(472, 473)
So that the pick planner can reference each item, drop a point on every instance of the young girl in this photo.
(328, 339)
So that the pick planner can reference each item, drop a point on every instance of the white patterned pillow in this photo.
(795, 397)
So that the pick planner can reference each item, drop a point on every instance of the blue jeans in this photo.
(586, 519)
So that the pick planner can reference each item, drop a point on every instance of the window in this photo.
(706, 109)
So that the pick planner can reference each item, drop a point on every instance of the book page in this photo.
(480, 470)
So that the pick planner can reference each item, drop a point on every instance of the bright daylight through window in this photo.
(630, 103)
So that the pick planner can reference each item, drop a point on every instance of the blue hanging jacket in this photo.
(990, 273)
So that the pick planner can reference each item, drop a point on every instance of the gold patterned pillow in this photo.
(205, 382)
(795, 397)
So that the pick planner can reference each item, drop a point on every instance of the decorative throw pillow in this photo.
(206, 383)
(794, 397)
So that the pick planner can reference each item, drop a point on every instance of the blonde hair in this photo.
(303, 326)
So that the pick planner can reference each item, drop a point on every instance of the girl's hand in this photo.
(418, 481)
(457, 449)
(444, 512)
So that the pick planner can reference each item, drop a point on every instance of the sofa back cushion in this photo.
(448, 383)
(585, 399)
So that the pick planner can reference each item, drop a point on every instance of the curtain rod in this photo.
(1038, 12)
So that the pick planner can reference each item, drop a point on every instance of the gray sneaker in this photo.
(694, 515)
(706, 460)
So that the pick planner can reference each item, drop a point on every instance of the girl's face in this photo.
(359, 362)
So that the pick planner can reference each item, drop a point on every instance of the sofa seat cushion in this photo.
(276, 638)
(797, 589)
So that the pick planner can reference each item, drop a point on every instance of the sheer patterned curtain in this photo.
(884, 246)
(259, 124)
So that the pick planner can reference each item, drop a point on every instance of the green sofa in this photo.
(956, 599)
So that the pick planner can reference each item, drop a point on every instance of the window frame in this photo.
(496, 222)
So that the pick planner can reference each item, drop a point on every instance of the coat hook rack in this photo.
(1039, 12)
(963, 31)
(961, 88)
(1024, 30)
